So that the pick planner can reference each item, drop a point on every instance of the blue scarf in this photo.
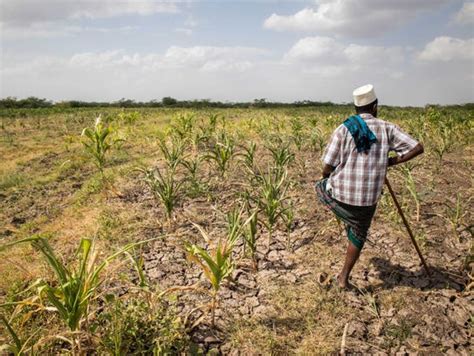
(360, 132)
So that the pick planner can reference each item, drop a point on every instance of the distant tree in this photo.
(8, 102)
(126, 103)
(28, 103)
(261, 103)
(169, 101)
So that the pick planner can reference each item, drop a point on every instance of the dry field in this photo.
(218, 242)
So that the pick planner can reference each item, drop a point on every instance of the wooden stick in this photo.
(343, 341)
(400, 211)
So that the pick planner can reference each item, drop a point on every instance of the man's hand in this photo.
(417, 150)
(327, 170)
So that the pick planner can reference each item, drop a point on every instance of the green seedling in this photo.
(173, 153)
(222, 152)
(216, 262)
(165, 187)
(97, 143)
(271, 197)
(74, 287)
(249, 155)
(282, 155)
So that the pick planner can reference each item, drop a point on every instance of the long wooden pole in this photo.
(400, 211)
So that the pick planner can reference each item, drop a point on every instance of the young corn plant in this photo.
(271, 197)
(173, 153)
(455, 214)
(165, 187)
(297, 133)
(208, 130)
(411, 186)
(213, 119)
(216, 262)
(98, 142)
(289, 218)
(250, 237)
(129, 117)
(444, 140)
(192, 167)
(138, 264)
(282, 155)
(75, 287)
(234, 225)
(317, 140)
(249, 155)
(183, 125)
(222, 152)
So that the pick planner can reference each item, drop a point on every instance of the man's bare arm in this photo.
(327, 170)
(417, 150)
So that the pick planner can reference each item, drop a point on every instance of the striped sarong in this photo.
(356, 219)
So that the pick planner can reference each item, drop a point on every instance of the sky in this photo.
(414, 52)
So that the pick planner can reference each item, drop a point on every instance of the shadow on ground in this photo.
(394, 275)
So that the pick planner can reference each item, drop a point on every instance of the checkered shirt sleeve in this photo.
(333, 150)
(401, 142)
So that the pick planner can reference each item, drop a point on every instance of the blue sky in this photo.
(414, 51)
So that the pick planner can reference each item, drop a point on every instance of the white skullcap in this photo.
(364, 95)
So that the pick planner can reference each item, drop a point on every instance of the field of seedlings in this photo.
(168, 231)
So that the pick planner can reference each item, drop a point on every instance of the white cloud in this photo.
(445, 49)
(55, 30)
(140, 76)
(211, 58)
(201, 58)
(374, 55)
(352, 17)
(329, 57)
(96, 60)
(184, 31)
(465, 16)
(314, 48)
(32, 11)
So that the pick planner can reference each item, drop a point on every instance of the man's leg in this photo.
(352, 255)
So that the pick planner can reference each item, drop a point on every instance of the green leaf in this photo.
(14, 336)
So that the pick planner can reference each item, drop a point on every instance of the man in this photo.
(355, 165)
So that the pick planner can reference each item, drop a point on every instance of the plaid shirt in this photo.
(358, 178)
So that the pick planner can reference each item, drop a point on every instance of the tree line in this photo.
(34, 102)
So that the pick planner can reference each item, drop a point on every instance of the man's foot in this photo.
(329, 282)
(342, 283)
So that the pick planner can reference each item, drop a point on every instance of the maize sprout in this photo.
(165, 188)
(271, 197)
(97, 142)
(250, 236)
(138, 264)
(183, 125)
(455, 214)
(249, 155)
(192, 166)
(282, 155)
(217, 263)
(222, 152)
(317, 140)
(74, 288)
(411, 186)
(129, 117)
(173, 153)
(297, 133)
